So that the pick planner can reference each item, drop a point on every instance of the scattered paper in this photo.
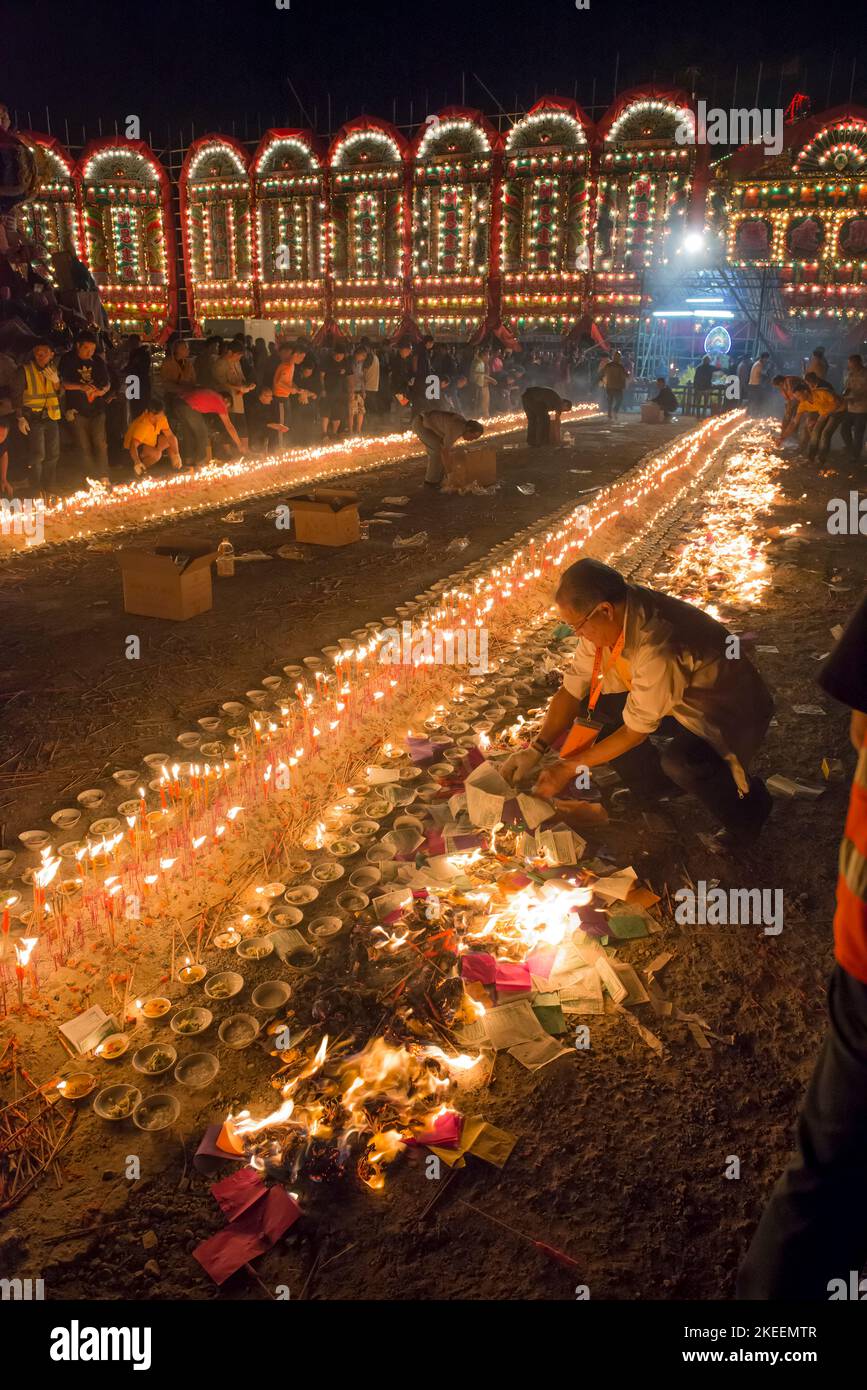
(486, 792)
(395, 501)
(808, 709)
(527, 489)
(536, 1054)
(534, 809)
(617, 886)
(793, 789)
(410, 542)
(379, 776)
(507, 1025)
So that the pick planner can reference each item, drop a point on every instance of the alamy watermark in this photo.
(847, 516)
(435, 646)
(23, 516)
(737, 126)
(712, 906)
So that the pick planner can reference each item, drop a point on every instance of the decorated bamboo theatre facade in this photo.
(545, 227)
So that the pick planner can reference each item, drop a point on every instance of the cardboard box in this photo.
(326, 516)
(651, 413)
(470, 465)
(171, 579)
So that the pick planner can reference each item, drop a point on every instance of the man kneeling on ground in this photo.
(666, 399)
(539, 402)
(149, 437)
(647, 664)
(439, 431)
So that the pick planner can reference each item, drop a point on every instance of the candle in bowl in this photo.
(157, 1007)
(190, 974)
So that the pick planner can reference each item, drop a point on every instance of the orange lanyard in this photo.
(598, 674)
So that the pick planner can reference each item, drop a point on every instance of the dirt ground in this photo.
(621, 1155)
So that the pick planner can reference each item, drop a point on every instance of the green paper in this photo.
(551, 1018)
(628, 926)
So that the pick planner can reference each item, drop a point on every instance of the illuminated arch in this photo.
(543, 230)
(840, 147)
(290, 230)
(645, 181)
(50, 217)
(366, 142)
(367, 167)
(216, 224)
(456, 132)
(551, 124)
(646, 114)
(127, 234)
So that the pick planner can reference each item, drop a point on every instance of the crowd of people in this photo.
(108, 403)
(113, 403)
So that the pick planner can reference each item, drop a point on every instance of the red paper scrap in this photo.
(479, 965)
(445, 1131)
(254, 1232)
(238, 1192)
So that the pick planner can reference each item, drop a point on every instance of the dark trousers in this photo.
(823, 432)
(615, 401)
(688, 764)
(43, 452)
(853, 429)
(192, 431)
(89, 434)
(814, 1227)
(538, 425)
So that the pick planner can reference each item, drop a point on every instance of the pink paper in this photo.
(512, 975)
(254, 1232)
(479, 965)
(445, 1131)
(541, 962)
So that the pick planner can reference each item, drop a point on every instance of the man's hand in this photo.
(519, 765)
(554, 778)
(23, 424)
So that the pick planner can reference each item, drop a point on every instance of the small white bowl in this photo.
(34, 840)
(66, 818)
(126, 776)
(91, 798)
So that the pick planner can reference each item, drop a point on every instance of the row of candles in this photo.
(151, 497)
(333, 698)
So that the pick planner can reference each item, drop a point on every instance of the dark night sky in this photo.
(212, 61)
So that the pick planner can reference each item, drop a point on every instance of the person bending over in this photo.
(539, 403)
(439, 431)
(647, 663)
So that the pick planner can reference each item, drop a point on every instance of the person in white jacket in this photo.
(647, 663)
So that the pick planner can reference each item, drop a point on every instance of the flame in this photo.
(24, 950)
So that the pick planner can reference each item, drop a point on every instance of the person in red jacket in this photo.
(812, 1237)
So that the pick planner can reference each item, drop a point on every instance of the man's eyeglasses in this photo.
(576, 627)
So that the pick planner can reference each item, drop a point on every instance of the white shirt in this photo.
(677, 657)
